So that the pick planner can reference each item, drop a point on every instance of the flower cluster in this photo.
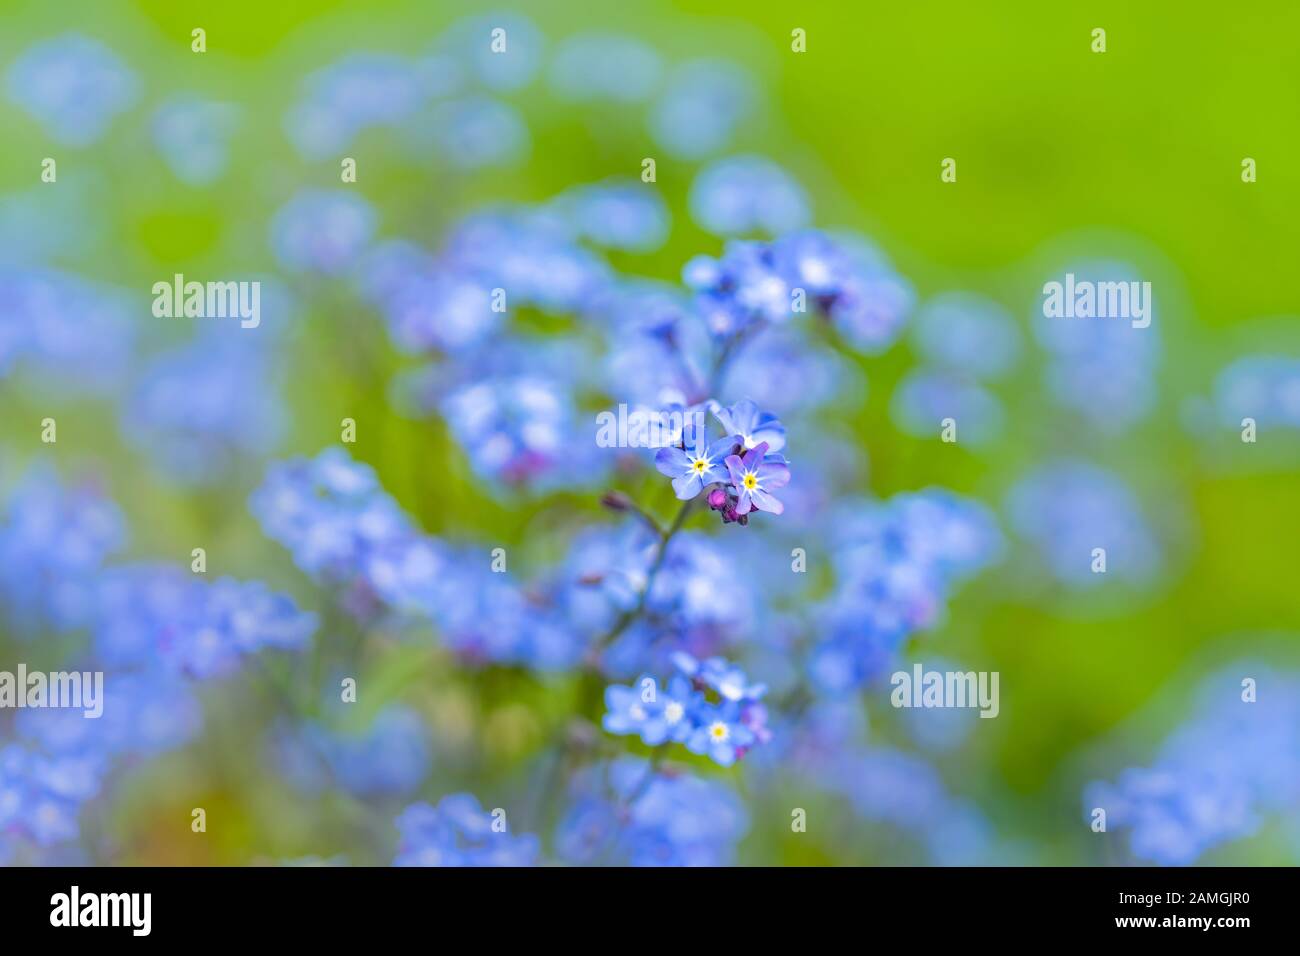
(628, 813)
(345, 530)
(54, 539)
(896, 562)
(1068, 508)
(736, 469)
(154, 629)
(74, 86)
(1103, 371)
(710, 707)
(458, 832)
(60, 328)
(1265, 388)
(757, 283)
(1230, 768)
(390, 756)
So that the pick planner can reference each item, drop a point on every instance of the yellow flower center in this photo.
(718, 731)
(701, 465)
(751, 481)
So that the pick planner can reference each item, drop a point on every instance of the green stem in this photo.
(627, 618)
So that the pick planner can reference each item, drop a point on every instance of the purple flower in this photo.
(755, 476)
(744, 419)
(691, 471)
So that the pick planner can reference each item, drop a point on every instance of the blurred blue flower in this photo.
(778, 367)
(426, 306)
(1231, 766)
(895, 564)
(356, 92)
(746, 194)
(322, 230)
(330, 512)
(1102, 369)
(506, 60)
(964, 332)
(517, 429)
(604, 66)
(628, 813)
(193, 135)
(719, 675)
(71, 336)
(54, 538)
(391, 756)
(202, 408)
(472, 132)
(924, 398)
(704, 104)
(1067, 508)
(73, 85)
(1263, 387)
(841, 279)
(617, 214)
(752, 425)
(458, 832)
(657, 351)
(149, 614)
(531, 254)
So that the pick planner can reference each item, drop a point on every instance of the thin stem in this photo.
(729, 349)
(627, 618)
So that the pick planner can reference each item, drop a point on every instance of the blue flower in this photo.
(964, 332)
(627, 813)
(390, 756)
(1067, 508)
(745, 194)
(73, 85)
(692, 469)
(193, 136)
(473, 132)
(924, 398)
(617, 214)
(1263, 387)
(65, 331)
(472, 43)
(724, 731)
(357, 92)
(745, 419)
(895, 562)
(427, 306)
(459, 833)
(519, 429)
(1231, 767)
(667, 716)
(702, 107)
(54, 539)
(204, 408)
(604, 66)
(322, 230)
(720, 675)
(720, 734)
(1101, 369)
(753, 479)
